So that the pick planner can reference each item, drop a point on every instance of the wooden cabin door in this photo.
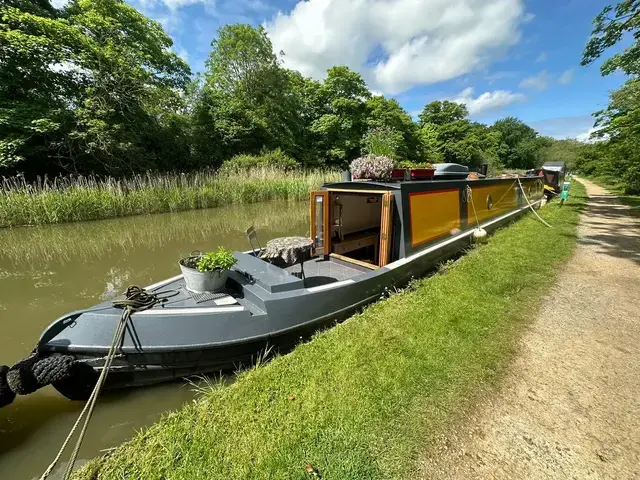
(386, 227)
(320, 220)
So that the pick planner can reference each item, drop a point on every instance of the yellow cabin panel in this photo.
(492, 200)
(433, 214)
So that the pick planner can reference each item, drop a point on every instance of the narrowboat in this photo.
(553, 174)
(368, 237)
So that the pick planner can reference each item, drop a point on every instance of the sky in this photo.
(499, 57)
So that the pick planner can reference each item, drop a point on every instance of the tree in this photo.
(388, 114)
(430, 145)
(520, 140)
(440, 113)
(617, 157)
(340, 127)
(245, 103)
(77, 86)
(609, 27)
(620, 125)
(447, 135)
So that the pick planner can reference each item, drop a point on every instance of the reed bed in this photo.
(72, 199)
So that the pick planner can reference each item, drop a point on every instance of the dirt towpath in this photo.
(570, 406)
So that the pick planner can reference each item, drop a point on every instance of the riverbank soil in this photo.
(570, 406)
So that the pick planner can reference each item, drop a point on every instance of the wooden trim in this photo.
(386, 225)
(326, 248)
(370, 266)
(328, 224)
(346, 190)
(312, 217)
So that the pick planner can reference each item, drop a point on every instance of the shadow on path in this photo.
(611, 227)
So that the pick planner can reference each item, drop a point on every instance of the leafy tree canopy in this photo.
(609, 27)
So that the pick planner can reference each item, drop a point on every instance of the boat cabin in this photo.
(371, 224)
(554, 173)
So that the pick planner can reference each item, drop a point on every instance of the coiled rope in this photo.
(136, 299)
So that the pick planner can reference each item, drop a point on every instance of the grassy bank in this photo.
(616, 187)
(364, 399)
(87, 198)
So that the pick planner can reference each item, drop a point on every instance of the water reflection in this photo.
(46, 272)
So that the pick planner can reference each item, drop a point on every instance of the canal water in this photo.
(46, 272)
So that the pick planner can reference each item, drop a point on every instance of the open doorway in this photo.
(353, 226)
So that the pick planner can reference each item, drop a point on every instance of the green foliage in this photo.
(245, 104)
(220, 260)
(442, 113)
(275, 159)
(410, 164)
(342, 121)
(72, 199)
(388, 114)
(609, 27)
(94, 88)
(382, 141)
(521, 143)
(616, 157)
(86, 88)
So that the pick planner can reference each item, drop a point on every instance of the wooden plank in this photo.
(370, 266)
(386, 226)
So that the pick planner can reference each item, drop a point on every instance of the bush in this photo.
(410, 164)
(275, 158)
(382, 142)
(373, 167)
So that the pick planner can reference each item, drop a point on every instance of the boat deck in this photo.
(319, 271)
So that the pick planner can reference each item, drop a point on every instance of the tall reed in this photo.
(71, 199)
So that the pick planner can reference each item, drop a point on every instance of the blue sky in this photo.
(501, 57)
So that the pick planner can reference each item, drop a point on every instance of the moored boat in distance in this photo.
(368, 237)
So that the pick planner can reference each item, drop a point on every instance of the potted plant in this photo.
(421, 171)
(207, 272)
(371, 167)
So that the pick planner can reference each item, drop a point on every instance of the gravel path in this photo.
(570, 406)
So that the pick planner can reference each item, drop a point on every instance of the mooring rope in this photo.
(470, 198)
(531, 206)
(136, 299)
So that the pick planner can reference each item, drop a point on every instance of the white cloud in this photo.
(586, 136)
(183, 54)
(542, 57)
(538, 82)
(493, 77)
(59, 3)
(172, 5)
(578, 127)
(396, 45)
(487, 100)
(566, 77)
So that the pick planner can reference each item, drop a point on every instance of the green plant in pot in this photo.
(207, 272)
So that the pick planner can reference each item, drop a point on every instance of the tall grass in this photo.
(71, 199)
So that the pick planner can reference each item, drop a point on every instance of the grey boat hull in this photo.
(275, 311)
